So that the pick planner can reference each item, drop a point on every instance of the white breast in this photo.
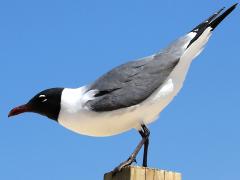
(76, 117)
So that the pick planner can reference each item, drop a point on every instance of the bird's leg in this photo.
(145, 155)
(145, 134)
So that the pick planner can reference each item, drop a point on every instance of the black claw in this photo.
(123, 165)
(118, 169)
(115, 171)
(145, 135)
(135, 161)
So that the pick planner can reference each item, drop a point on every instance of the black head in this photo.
(46, 103)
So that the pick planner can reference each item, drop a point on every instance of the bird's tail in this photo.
(216, 21)
(212, 22)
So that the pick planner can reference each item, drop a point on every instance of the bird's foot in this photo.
(124, 164)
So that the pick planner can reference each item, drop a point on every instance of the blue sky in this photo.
(50, 43)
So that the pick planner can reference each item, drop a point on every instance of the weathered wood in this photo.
(141, 173)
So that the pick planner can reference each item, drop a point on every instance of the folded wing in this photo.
(133, 82)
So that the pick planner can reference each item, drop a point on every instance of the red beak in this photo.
(19, 110)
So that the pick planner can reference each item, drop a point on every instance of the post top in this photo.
(143, 173)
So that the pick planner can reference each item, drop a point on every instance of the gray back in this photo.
(133, 82)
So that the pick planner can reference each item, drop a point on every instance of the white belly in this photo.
(110, 123)
(114, 122)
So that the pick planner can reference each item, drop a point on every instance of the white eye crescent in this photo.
(42, 96)
(44, 100)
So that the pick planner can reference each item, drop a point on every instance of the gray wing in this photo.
(133, 82)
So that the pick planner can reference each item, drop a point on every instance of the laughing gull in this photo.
(129, 96)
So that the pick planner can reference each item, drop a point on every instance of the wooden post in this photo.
(142, 173)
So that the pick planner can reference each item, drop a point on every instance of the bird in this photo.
(130, 96)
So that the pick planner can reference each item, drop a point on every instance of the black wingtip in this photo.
(220, 10)
(220, 18)
(214, 15)
(235, 4)
(207, 21)
(213, 21)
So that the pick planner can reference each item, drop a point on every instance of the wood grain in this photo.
(142, 173)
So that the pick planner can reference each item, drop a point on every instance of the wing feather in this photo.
(133, 82)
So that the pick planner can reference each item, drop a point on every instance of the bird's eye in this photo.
(42, 98)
